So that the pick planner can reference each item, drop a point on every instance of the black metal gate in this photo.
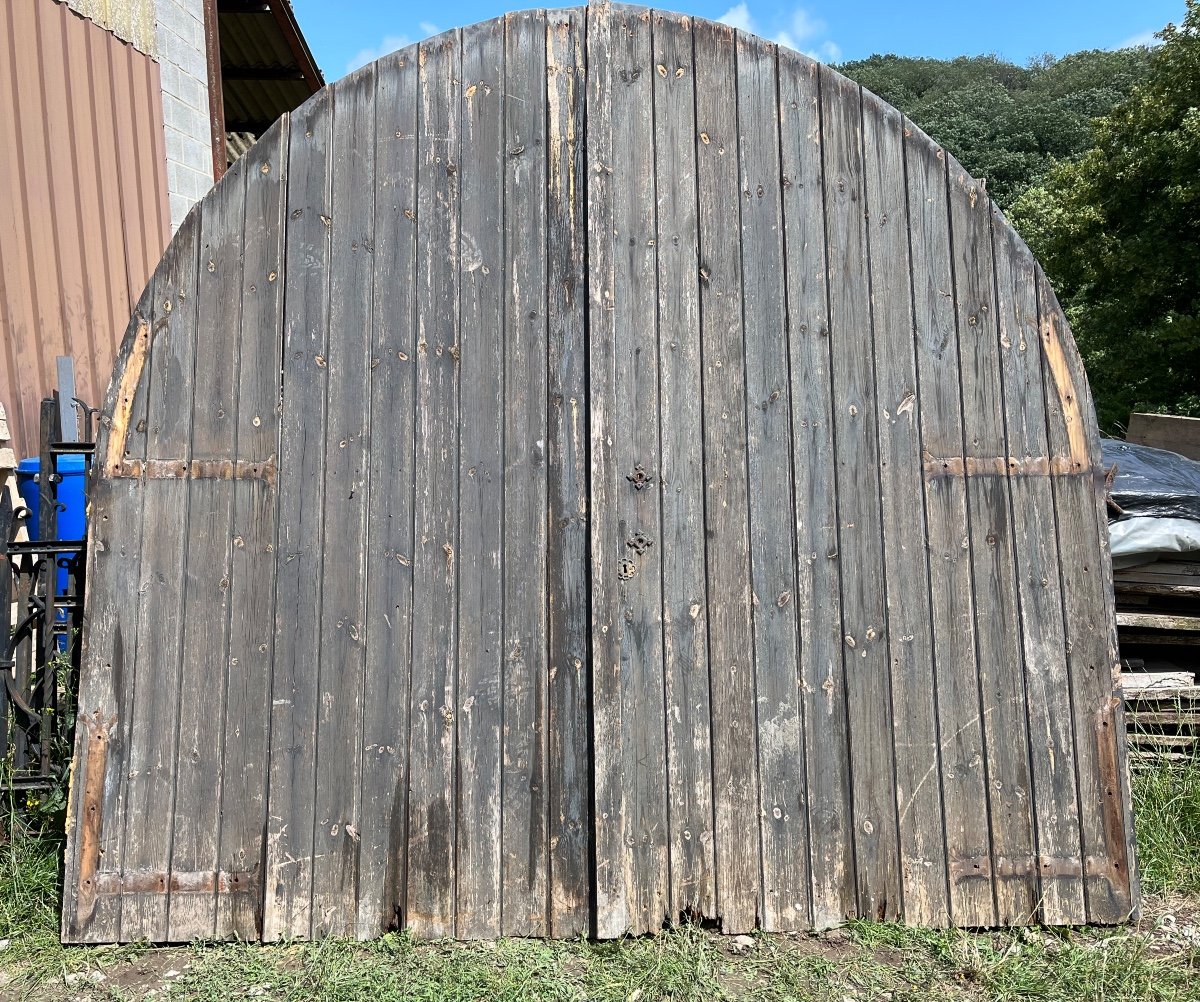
(42, 619)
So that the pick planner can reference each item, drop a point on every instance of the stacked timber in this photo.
(1158, 622)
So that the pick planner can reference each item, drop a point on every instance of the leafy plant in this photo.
(1118, 231)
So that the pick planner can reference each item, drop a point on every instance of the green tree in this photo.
(1117, 229)
(1005, 123)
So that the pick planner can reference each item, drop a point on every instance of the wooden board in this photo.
(568, 720)
(685, 620)
(736, 809)
(1166, 431)
(591, 471)
(481, 474)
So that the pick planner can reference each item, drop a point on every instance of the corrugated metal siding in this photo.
(131, 21)
(83, 206)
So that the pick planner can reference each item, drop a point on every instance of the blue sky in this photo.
(344, 34)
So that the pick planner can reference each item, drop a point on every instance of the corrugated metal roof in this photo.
(266, 66)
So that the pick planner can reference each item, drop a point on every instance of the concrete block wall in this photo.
(179, 35)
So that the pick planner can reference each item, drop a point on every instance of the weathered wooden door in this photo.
(590, 469)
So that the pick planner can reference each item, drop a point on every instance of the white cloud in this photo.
(1141, 38)
(827, 52)
(738, 17)
(801, 30)
(390, 43)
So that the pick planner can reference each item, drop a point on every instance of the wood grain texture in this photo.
(341, 648)
(1055, 796)
(107, 658)
(589, 471)
(681, 484)
(208, 544)
(287, 876)
(243, 816)
(523, 403)
(154, 716)
(818, 589)
(964, 782)
(921, 823)
(385, 734)
(430, 887)
(997, 628)
(864, 617)
(781, 767)
(481, 476)
(736, 809)
(568, 738)
(630, 551)
(1085, 574)
(612, 913)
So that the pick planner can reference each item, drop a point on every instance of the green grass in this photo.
(865, 961)
(1166, 804)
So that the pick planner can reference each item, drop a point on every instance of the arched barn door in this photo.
(590, 469)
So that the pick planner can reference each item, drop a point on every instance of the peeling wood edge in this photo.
(196, 469)
(1108, 729)
(1068, 393)
(93, 820)
(126, 391)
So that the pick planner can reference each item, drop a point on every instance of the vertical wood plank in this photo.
(1055, 795)
(568, 747)
(612, 917)
(964, 788)
(818, 591)
(384, 798)
(245, 770)
(525, 512)
(864, 615)
(997, 627)
(1084, 569)
(632, 836)
(636, 435)
(208, 545)
(906, 560)
(342, 658)
(481, 476)
(783, 796)
(431, 822)
(685, 601)
(294, 696)
(152, 740)
(95, 816)
(1118, 893)
(736, 831)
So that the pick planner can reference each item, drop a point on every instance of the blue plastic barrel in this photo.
(71, 490)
